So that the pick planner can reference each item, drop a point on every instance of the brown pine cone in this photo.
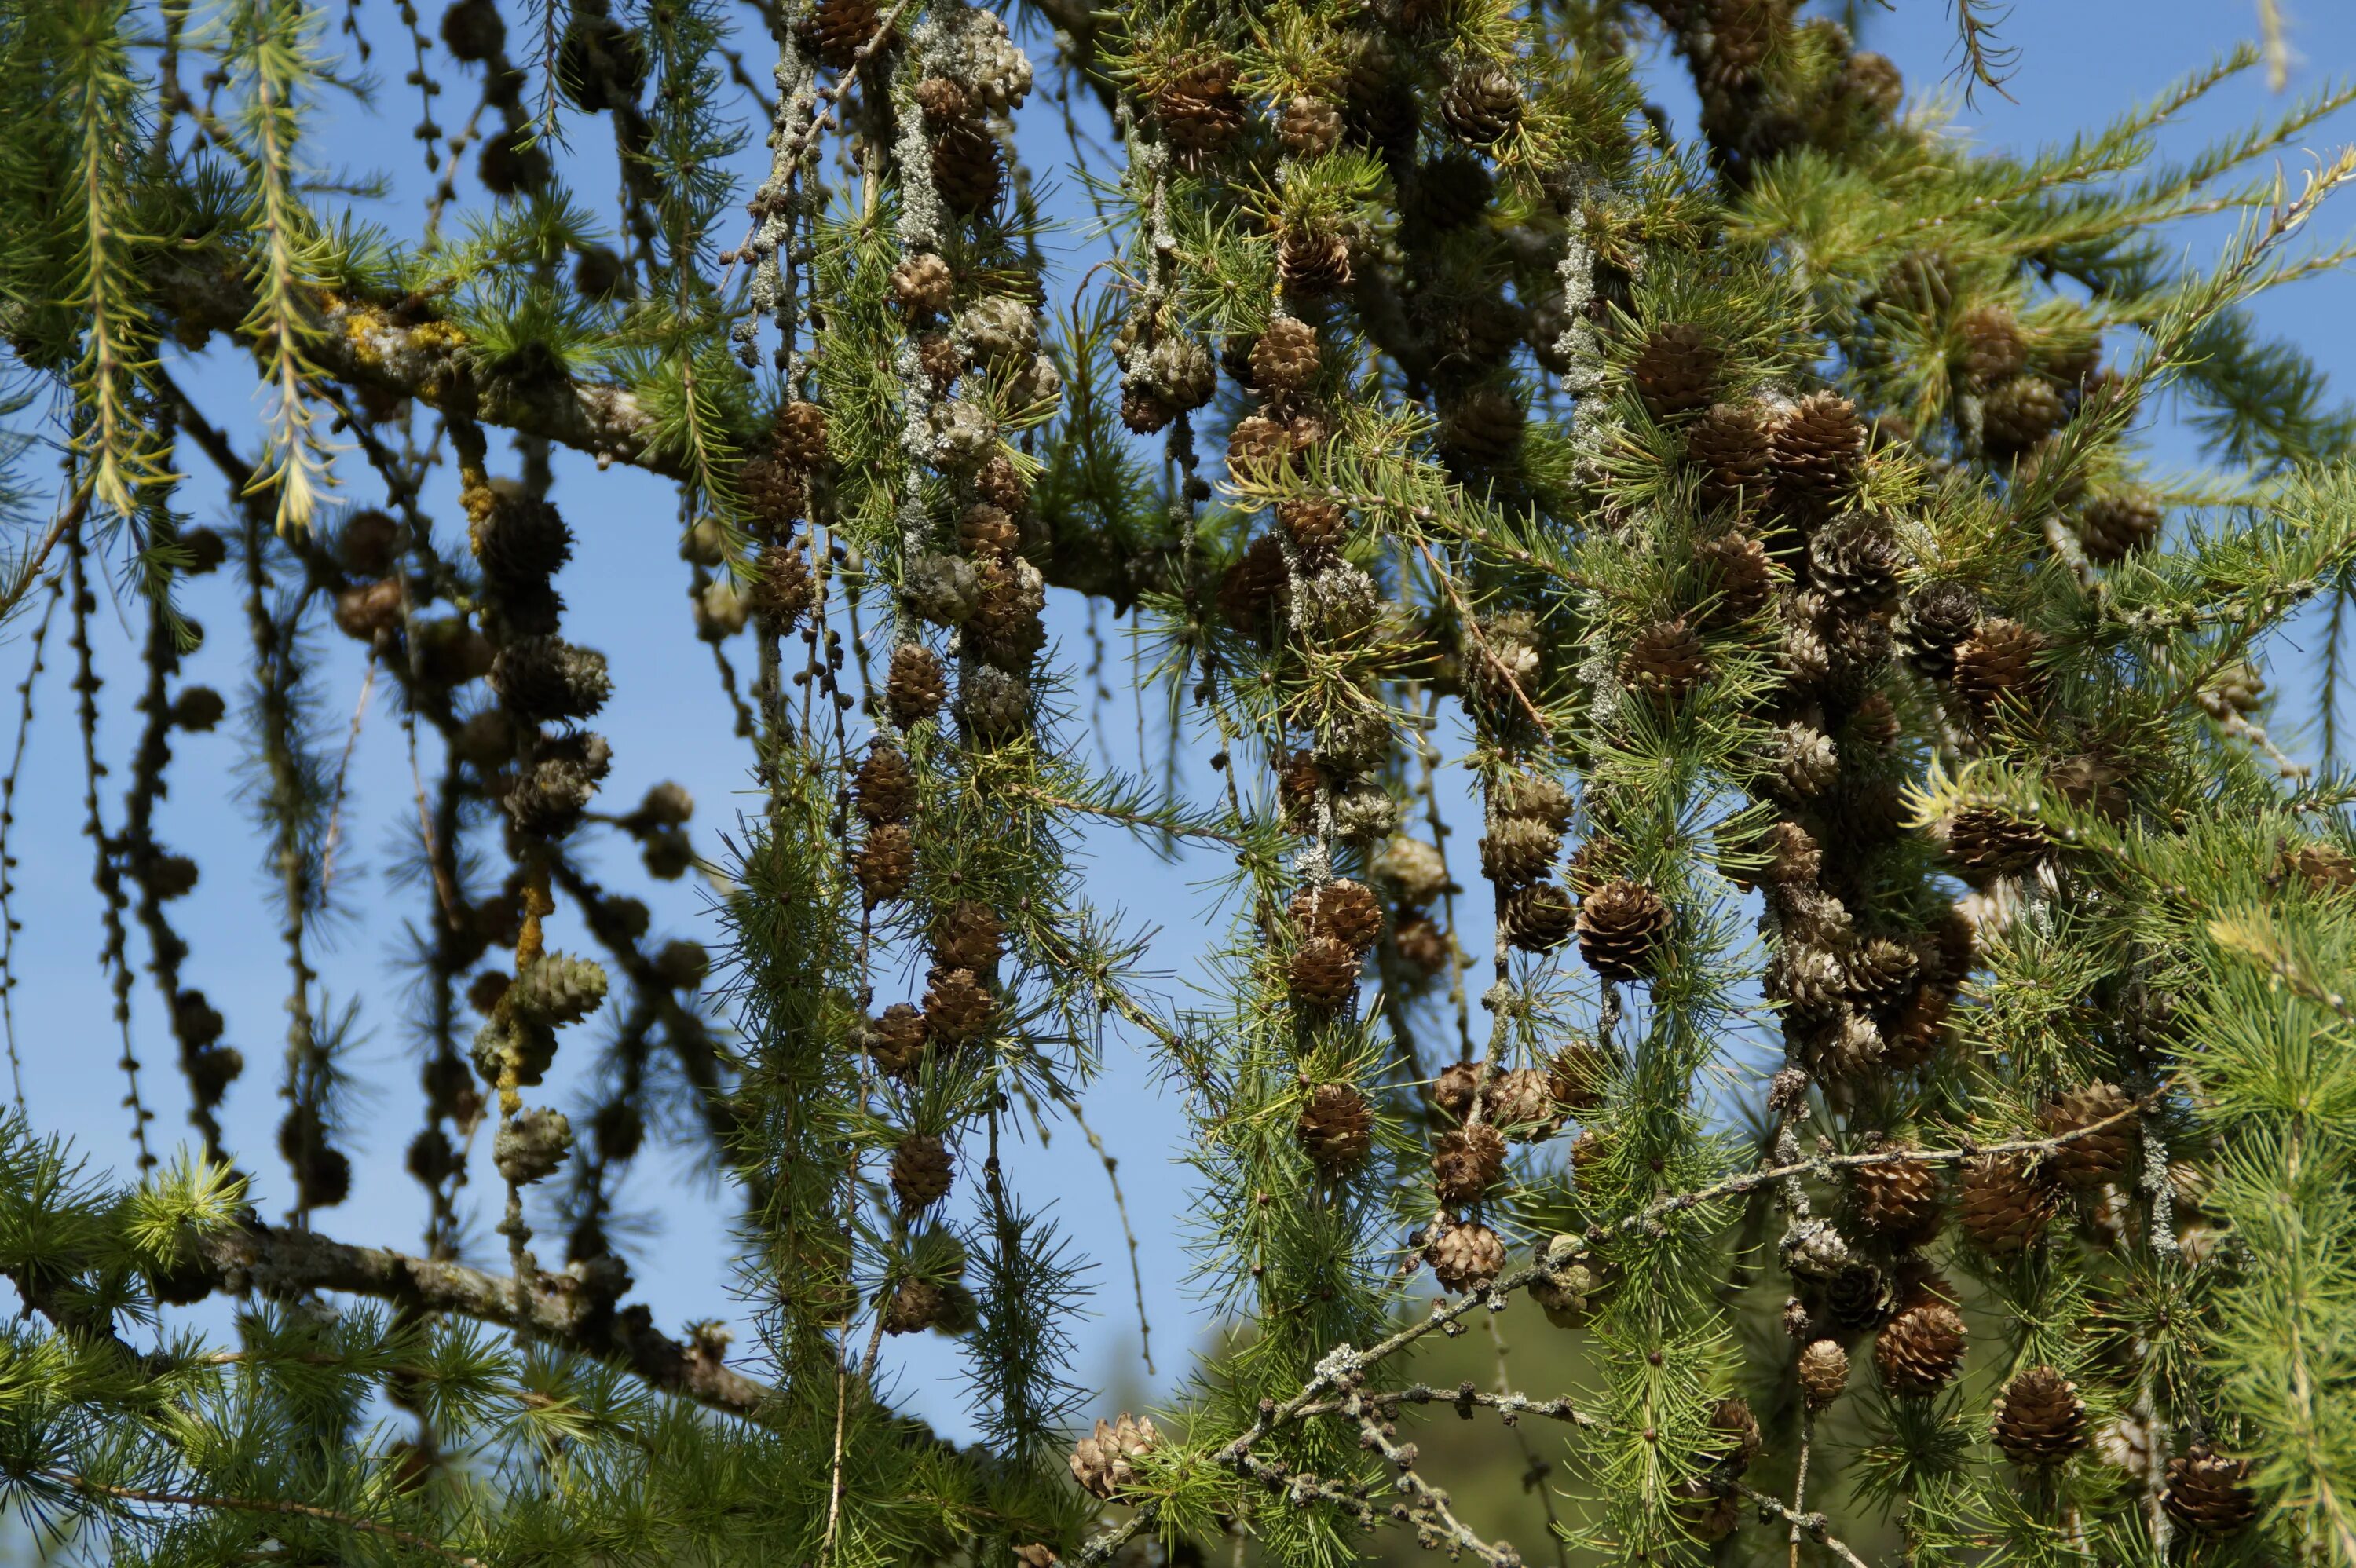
(1824, 1372)
(1535, 795)
(1875, 722)
(783, 588)
(1036, 1554)
(1735, 1438)
(1284, 359)
(1937, 618)
(2322, 868)
(1676, 371)
(1877, 972)
(839, 27)
(1814, 446)
(1858, 1298)
(921, 1172)
(1954, 947)
(1623, 927)
(885, 862)
(1325, 972)
(1729, 444)
(1920, 1349)
(941, 360)
(1104, 1462)
(1483, 426)
(2111, 526)
(1336, 1126)
(916, 687)
(885, 787)
(1538, 918)
(1997, 664)
(896, 1038)
(2089, 1161)
(1467, 1163)
(2206, 1491)
(1342, 910)
(1853, 565)
(1466, 1257)
(1142, 411)
(2018, 414)
(1580, 1076)
(1316, 530)
(1309, 127)
(799, 435)
(967, 935)
(1452, 1091)
(1481, 104)
(1520, 1104)
(1001, 485)
(1421, 942)
(1517, 851)
(1993, 347)
(2006, 1203)
(942, 100)
(1199, 111)
(957, 1007)
(915, 1305)
(1259, 445)
(922, 284)
(1666, 660)
(2040, 1419)
(1900, 1202)
(1986, 841)
(773, 493)
(987, 531)
(1873, 83)
(1739, 576)
(1311, 262)
(966, 166)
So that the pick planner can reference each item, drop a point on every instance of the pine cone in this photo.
(993, 705)
(1467, 1163)
(1451, 1090)
(1520, 1104)
(1873, 83)
(967, 935)
(1421, 943)
(1811, 1249)
(1875, 722)
(1142, 410)
(546, 678)
(885, 788)
(1580, 1076)
(1804, 762)
(1920, 1349)
(2098, 1157)
(2322, 868)
(1858, 1299)
(1517, 851)
(783, 588)
(1538, 918)
(840, 26)
(2006, 1203)
(1729, 444)
(1309, 127)
(1284, 359)
(1325, 972)
(1316, 530)
(896, 1038)
(1666, 660)
(916, 687)
(472, 31)
(956, 1006)
(2018, 414)
(1824, 1372)
(2113, 525)
(521, 542)
(1336, 1126)
(1259, 445)
(941, 360)
(1483, 426)
(1855, 567)
(1676, 371)
(922, 284)
(1735, 1438)
(1900, 1201)
(799, 433)
(1481, 104)
(2205, 1492)
(1623, 927)
(1534, 796)
(1104, 1462)
(1199, 111)
(885, 862)
(1311, 262)
(966, 166)
(1994, 349)
(915, 1305)
(921, 1172)
(1814, 446)
(1452, 191)
(1996, 664)
(1342, 910)
(2040, 1419)
(1466, 1257)
(773, 493)
(999, 483)
(1879, 973)
(1739, 576)
(1986, 841)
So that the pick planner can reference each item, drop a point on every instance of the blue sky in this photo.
(2080, 64)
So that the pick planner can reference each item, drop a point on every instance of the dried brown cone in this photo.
(1666, 660)
(1853, 565)
(915, 1305)
(1900, 1202)
(1466, 1163)
(966, 166)
(886, 786)
(1311, 262)
(799, 435)
(1309, 127)
(2039, 1418)
(839, 27)
(1142, 411)
(1735, 1438)
(986, 531)
(1336, 1126)
(1988, 841)
(1517, 851)
(1520, 1102)
(1001, 485)
(1580, 1075)
(783, 588)
(1104, 1462)
(916, 687)
(1875, 722)
(2005, 1203)
(1740, 575)
(1538, 918)
(941, 359)
(1259, 445)
(1996, 665)
(1253, 591)
(1483, 426)
(1284, 359)
(773, 492)
(1465, 1256)
(1344, 911)
(1421, 943)
(921, 1172)
(1919, 1351)
(957, 1006)
(1482, 103)
(2322, 868)
(1316, 528)
(2089, 1161)
(1937, 618)
(922, 284)
(897, 1038)
(2111, 526)
(1677, 370)
(2018, 414)
(967, 935)
(2206, 1491)
(885, 863)
(1451, 1090)
(1298, 779)
(1534, 796)
(1814, 446)
(1325, 972)
(1877, 972)
(1622, 926)
(1920, 1033)
(1824, 1372)
(1199, 109)
(1728, 444)
(1993, 349)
